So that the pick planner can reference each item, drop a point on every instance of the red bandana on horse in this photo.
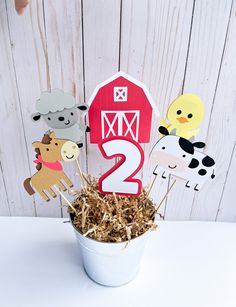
(56, 166)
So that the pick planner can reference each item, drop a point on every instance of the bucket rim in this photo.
(104, 242)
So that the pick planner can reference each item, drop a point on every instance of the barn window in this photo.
(120, 93)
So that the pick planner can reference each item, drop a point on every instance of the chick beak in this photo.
(182, 120)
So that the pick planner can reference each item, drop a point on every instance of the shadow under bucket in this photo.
(111, 264)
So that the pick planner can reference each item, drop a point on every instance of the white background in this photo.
(185, 264)
(172, 46)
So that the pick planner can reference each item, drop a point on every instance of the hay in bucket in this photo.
(110, 217)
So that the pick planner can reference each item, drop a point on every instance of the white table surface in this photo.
(185, 264)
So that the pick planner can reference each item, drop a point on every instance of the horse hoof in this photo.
(88, 129)
(80, 145)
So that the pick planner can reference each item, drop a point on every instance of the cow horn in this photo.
(173, 132)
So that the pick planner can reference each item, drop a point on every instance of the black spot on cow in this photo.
(194, 163)
(208, 161)
(202, 172)
(186, 145)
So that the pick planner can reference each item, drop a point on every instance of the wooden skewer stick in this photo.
(80, 173)
(163, 199)
(65, 199)
(152, 184)
(86, 179)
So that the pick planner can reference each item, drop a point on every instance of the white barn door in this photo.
(120, 123)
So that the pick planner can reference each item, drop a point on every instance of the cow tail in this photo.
(28, 187)
(213, 174)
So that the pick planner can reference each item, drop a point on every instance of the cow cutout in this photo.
(177, 156)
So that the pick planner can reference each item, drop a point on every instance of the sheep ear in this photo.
(35, 117)
(163, 130)
(82, 107)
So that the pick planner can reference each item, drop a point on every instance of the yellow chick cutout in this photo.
(184, 115)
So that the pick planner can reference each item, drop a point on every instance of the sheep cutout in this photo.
(177, 156)
(59, 110)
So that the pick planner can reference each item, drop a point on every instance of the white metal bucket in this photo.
(111, 264)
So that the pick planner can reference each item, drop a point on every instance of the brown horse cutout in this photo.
(50, 172)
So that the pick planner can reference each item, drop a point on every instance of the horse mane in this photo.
(45, 140)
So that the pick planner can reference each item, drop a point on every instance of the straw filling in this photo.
(111, 217)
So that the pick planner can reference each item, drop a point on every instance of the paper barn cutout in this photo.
(178, 156)
(49, 153)
(121, 106)
(120, 116)
(59, 110)
(184, 115)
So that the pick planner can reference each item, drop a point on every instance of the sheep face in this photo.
(61, 119)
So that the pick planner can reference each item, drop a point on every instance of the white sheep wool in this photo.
(54, 101)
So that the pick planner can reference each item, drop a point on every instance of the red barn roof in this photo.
(121, 106)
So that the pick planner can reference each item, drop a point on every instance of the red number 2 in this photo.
(119, 178)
